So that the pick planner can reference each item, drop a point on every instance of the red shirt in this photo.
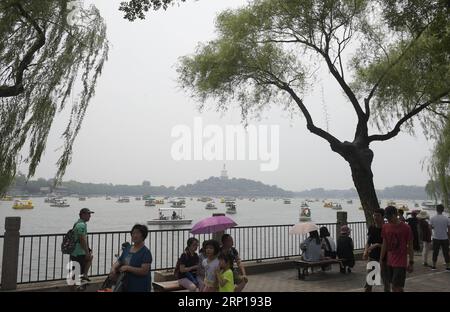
(396, 237)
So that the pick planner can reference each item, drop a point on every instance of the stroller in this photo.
(115, 283)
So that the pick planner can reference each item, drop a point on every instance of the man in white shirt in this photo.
(441, 233)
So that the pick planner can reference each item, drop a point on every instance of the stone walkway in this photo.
(421, 280)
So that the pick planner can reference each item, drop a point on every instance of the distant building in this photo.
(224, 174)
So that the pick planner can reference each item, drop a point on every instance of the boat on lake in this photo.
(170, 216)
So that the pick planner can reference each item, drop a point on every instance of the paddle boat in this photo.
(170, 216)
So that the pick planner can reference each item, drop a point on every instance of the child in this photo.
(210, 265)
(345, 250)
(224, 274)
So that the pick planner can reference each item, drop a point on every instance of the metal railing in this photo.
(40, 257)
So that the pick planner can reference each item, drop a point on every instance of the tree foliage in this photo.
(46, 51)
(134, 9)
(267, 51)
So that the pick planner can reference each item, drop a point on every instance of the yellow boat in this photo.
(6, 198)
(159, 201)
(328, 205)
(23, 204)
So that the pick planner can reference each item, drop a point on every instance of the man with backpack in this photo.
(82, 253)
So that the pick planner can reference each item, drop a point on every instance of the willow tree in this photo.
(394, 76)
(51, 55)
(439, 186)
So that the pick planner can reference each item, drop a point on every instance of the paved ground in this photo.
(421, 280)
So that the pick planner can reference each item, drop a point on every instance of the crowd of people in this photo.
(216, 267)
(391, 241)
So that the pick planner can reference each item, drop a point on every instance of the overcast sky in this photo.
(126, 135)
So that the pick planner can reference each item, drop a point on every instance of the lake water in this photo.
(113, 216)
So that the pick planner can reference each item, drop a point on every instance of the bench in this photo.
(167, 286)
(303, 266)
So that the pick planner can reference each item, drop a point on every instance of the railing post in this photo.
(10, 253)
(218, 235)
(341, 219)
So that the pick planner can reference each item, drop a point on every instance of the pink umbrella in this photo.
(212, 225)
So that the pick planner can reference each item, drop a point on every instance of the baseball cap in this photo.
(86, 210)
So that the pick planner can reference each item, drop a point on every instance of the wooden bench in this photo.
(303, 266)
(167, 286)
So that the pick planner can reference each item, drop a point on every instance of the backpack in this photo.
(69, 242)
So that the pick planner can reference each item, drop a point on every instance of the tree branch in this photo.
(334, 142)
(17, 88)
(384, 74)
(415, 111)
(437, 113)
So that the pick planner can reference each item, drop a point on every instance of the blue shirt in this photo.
(133, 282)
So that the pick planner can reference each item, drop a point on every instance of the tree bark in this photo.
(360, 161)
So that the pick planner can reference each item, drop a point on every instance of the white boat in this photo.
(210, 206)
(137, 198)
(181, 200)
(204, 199)
(50, 199)
(108, 197)
(286, 201)
(429, 205)
(336, 206)
(170, 216)
(350, 201)
(231, 208)
(304, 205)
(60, 203)
(402, 206)
(123, 199)
(150, 202)
(229, 203)
(305, 214)
(82, 198)
(178, 204)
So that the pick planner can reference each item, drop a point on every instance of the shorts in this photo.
(396, 276)
(81, 260)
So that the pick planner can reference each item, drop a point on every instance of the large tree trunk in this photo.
(360, 161)
(363, 181)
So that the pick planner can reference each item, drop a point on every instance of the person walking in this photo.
(397, 246)
(425, 233)
(372, 249)
(135, 262)
(440, 225)
(413, 224)
(82, 253)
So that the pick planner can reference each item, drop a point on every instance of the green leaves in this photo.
(137, 8)
(72, 55)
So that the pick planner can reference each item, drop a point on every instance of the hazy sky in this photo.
(126, 135)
